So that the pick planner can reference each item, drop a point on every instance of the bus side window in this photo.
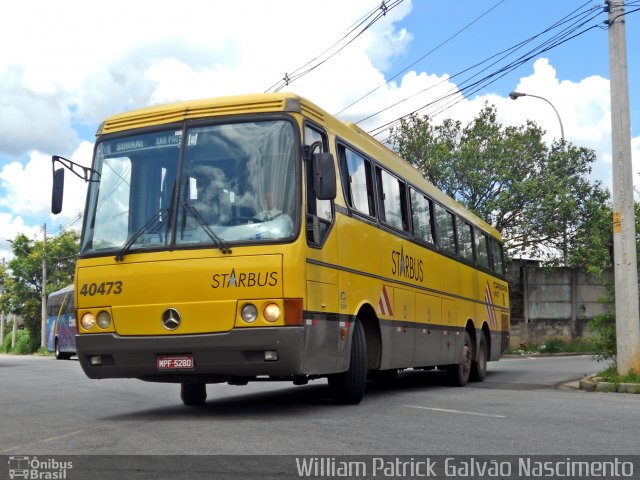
(393, 201)
(465, 239)
(482, 249)
(445, 229)
(422, 216)
(319, 212)
(497, 257)
(359, 181)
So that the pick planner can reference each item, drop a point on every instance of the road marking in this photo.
(477, 414)
(44, 440)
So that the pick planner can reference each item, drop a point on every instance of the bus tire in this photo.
(458, 374)
(479, 366)
(347, 388)
(193, 394)
(60, 355)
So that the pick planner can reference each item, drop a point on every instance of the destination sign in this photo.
(134, 144)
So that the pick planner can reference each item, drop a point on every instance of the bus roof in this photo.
(62, 291)
(287, 102)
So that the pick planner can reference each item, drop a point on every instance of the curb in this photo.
(546, 355)
(591, 383)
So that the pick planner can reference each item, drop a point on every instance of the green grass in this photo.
(611, 375)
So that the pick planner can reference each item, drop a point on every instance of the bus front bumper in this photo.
(218, 357)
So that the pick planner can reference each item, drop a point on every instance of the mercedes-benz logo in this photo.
(171, 319)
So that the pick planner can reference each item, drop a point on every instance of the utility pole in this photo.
(624, 232)
(14, 332)
(2, 290)
(43, 333)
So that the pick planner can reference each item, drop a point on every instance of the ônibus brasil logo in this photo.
(34, 468)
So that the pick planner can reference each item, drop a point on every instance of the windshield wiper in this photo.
(217, 241)
(152, 224)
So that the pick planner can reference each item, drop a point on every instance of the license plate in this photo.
(174, 362)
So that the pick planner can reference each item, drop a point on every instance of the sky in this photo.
(66, 65)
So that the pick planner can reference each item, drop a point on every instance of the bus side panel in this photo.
(500, 338)
(326, 333)
(66, 331)
(429, 337)
(402, 329)
(495, 312)
(453, 338)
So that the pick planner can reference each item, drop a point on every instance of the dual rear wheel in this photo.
(468, 369)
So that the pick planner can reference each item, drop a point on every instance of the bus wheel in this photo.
(193, 393)
(59, 355)
(459, 373)
(479, 367)
(348, 387)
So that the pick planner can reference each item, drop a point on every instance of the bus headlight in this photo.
(249, 313)
(104, 319)
(271, 312)
(88, 321)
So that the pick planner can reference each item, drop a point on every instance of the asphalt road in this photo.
(48, 407)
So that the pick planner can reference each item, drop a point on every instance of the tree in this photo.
(23, 281)
(537, 196)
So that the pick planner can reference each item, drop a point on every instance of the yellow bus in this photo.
(259, 238)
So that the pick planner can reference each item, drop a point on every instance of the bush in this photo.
(6, 342)
(25, 343)
(603, 328)
(553, 345)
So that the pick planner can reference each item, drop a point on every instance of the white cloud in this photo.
(10, 226)
(136, 53)
(28, 186)
(133, 54)
(31, 120)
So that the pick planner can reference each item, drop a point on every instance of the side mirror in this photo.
(57, 191)
(324, 176)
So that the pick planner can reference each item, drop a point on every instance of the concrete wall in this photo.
(553, 302)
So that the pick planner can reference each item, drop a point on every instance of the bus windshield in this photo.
(228, 184)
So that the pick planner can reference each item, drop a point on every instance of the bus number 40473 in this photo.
(104, 288)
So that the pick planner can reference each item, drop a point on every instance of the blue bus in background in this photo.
(61, 323)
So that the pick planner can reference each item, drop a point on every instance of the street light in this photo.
(516, 95)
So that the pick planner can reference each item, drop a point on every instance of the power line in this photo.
(503, 55)
(557, 40)
(372, 17)
(437, 47)
(71, 222)
(575, 19)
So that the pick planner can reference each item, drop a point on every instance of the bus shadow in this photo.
(287, 401)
